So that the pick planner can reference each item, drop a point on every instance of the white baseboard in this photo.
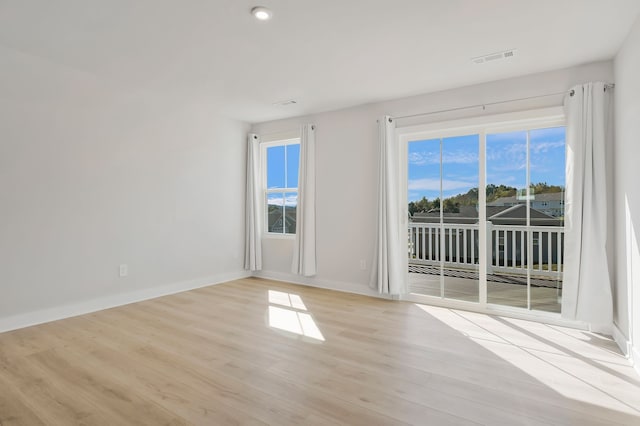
(622, 341)
(632, 353)
(66, 311)
(314, 282)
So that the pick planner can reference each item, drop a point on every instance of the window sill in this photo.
(272, 236)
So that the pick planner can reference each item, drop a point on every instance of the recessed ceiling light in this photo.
(261, 13)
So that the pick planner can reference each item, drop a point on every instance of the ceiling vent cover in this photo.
(286, 103)
(494, 56)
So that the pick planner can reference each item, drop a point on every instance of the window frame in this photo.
(283, 140)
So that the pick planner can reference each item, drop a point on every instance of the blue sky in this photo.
(277, 175)
(280, 177)
(506, 162)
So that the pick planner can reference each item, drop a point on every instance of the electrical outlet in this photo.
(124, 270)
(363, 264)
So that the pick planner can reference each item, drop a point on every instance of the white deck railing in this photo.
(512, 248)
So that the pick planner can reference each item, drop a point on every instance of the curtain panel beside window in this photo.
(587, 294)
(253, 214)
(304, 248)
(387, 268)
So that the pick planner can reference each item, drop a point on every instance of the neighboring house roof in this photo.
(518, 211)
(276, 218)
(494, 210)
(466, 211)
(547, 196)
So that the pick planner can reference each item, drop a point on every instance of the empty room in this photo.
(355, 212)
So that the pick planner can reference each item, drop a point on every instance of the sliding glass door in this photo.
(485, 211)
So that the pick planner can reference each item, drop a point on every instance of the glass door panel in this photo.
(425, 271)
(506, 209)
(525, 218)
(443, 238)
(547, 186)
(460, 237)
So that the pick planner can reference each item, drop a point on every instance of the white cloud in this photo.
(543, 147)
(517, 152)
(434, 185)
(423, 158)
(512, 153)
(424, 185)
(289, 200)
(460, 156)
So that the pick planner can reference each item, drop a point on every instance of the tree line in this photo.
(470, 198)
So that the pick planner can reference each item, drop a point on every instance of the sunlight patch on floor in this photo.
(291, 315)
(286, 299)
(573, 367)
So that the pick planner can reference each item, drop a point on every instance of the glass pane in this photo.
(460, 175)
(423, 238)
(293, 161)
(506, 160)
(290, 206)
(275, 167)
(275, 213)
(547, 180)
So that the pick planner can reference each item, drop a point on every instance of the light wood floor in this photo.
(260, 352)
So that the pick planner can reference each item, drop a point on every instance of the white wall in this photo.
(346, 167)
(627, 194)
(92, 176)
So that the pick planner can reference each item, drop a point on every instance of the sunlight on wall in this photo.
(633, 266)
(289, 316)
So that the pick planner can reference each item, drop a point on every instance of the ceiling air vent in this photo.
(286, 103)
(494, 56)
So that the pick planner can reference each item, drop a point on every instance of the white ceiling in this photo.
(326, 54)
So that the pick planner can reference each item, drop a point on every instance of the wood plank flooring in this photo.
(260, 352)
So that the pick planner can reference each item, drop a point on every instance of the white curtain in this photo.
(253, 216)
(387, 268)
(587, 294)
(304, 249)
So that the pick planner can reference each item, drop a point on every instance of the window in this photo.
(281, 161)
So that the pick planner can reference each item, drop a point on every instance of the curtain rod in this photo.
(483, 106)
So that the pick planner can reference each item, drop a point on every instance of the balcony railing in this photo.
(508, 246)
